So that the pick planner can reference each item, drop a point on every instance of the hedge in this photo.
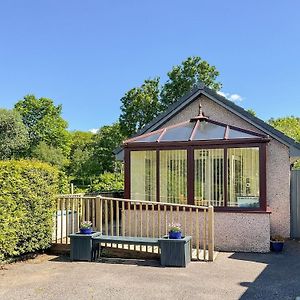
(27, 203)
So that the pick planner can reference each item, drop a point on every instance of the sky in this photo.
(85, 55)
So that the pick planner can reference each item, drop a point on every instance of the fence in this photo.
(126, 217)
(295, 204)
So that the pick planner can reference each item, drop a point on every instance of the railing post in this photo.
(97, 213)
(211, 237)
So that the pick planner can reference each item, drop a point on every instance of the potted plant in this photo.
(277, 243)
(175, 231)
(86, 227)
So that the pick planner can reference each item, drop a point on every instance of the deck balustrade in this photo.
(126, 217)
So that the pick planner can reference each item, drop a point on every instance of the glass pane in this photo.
(235, 134)
(143, 175)
(243, 177)
(180, 133)
(209, 131)
(209, 177)
(150, 138)
(173, 176)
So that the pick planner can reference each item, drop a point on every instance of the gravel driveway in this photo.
(231, 276)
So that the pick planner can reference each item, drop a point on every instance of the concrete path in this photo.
(231, 276)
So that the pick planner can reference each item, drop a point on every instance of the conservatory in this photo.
(198, 162)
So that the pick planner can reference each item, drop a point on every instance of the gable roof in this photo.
(201, 89)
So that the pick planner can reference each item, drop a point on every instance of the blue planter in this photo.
(86, 230)
(175, 235)
(276, 246)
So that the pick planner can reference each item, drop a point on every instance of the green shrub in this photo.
(27, 203)
(108, 182)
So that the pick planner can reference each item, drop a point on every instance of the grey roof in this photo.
(176, 107)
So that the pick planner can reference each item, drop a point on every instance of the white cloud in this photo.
(93, 130)
(232, 97)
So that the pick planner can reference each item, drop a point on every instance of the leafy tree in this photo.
(139, 106)
(44, 123)
(82, 165)
(289, 126)
(251, 111)
(105, 141)
(107, 182)
(13, 134)
(49, 154)
(184, 77)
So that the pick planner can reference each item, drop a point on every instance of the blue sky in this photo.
(86, 54)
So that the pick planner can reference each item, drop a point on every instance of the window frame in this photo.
(190, 146)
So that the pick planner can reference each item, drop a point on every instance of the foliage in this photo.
(44, 123)
(86, 224)
(107, 139)
(13, 134)
(49, 154)
(175, 227)
(251, 111)
(27, 203)
(184, 77)
(81, 163)
(277, 238)
(142, 104)
(139, 106)
(289, 126)
(108, 182)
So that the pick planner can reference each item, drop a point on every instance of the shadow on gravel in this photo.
(281, 277)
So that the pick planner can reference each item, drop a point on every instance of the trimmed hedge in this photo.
(27, 203)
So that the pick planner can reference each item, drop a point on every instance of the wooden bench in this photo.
(173, 252)
(124, 240)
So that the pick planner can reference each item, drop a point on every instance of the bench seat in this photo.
(144, 241)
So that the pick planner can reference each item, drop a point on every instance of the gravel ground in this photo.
(231, 276)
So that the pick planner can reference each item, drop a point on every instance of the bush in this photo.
(108, 182)
(27, 203)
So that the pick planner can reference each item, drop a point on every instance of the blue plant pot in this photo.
(276, 246)
(175, 235)
(86, 230)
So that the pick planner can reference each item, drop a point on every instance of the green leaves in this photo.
(44, 123)
(13, 134)
(27, 202)
(139, 106)
(289, 126)
(184, 77)
(142, 104)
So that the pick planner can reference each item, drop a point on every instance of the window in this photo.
(143, 175)
(173, 176)
(209, 177)
(223, 177)
(243, 177)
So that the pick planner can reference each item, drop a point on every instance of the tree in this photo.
(81, 165)
(184, 77)
(49, 154)
(142, 104)
(105, 141)
(139, 106)
(44, 123)
(289, 126)
(251, 111)
(13, 134)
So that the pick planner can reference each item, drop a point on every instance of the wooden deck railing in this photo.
(126, 217)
